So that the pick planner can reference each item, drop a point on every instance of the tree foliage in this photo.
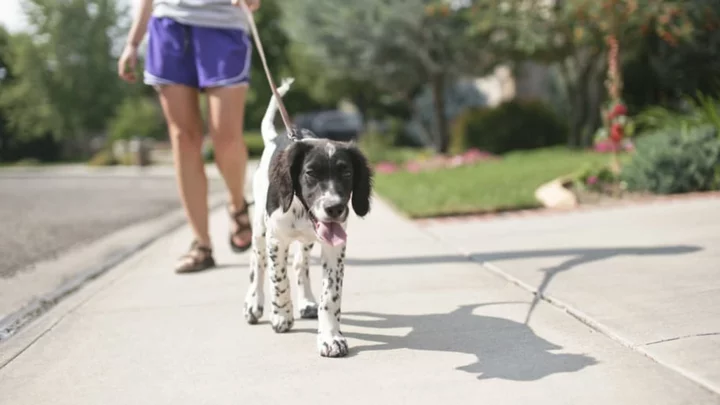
(572, 35)
(65, 81)
(398, 46)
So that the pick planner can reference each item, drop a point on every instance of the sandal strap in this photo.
(241, 219)
(195, 247)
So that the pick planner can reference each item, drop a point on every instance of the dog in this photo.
(302, 192)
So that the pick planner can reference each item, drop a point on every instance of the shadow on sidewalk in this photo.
(502, 348)
(579, 257)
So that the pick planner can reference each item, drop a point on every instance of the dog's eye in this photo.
(310, 173)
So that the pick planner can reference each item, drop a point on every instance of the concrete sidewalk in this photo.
(425, 325)
(647, 275)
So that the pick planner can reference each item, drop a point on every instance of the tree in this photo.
(5, 78)
(578, 37)
(398, 46)
(279, 57)
(66, 80)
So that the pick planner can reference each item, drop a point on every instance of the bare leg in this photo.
(226, 120)
(182, 113)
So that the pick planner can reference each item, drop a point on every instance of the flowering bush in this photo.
(471, 156)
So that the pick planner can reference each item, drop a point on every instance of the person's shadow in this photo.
(503, 348)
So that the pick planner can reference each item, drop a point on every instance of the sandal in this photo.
(242, 222)
(197, 259)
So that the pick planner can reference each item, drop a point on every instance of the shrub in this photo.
(675, 161)
(103, 158)
(699, 112)
(514, 125)
(137, 117)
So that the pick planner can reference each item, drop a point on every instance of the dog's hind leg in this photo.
(255, 297)
(307, 302)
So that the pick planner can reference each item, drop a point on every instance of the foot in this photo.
(330, 345)
(253, 308)
(198, 258)
(240, 228)
(282, 323)
(308, 310)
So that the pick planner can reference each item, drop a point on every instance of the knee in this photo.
(228, 142)
(186, 140)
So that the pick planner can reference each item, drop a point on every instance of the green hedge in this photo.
(514, 125)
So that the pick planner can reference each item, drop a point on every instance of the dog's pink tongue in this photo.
(331, 232)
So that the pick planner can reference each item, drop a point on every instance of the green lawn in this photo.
(254, 143)
(507, 184)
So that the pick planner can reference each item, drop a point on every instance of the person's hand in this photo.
(128, 63)
(253, 5)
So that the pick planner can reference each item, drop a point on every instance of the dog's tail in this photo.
(268, 123)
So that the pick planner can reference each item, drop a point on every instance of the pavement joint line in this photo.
(15, 321)
(673, 339)
(582, 317)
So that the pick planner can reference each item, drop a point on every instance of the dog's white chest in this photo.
(293, 224)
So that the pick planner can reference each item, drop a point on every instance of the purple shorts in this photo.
(199, 57)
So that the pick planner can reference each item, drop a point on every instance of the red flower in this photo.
(616, 132)
(619, 110)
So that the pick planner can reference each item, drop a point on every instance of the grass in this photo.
(254, 143)
(507, 184)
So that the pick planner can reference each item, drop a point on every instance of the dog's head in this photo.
(327, 177)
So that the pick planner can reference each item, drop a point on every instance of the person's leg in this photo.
(223, 65)
(182, 113)
(226, 119)
(170, 68)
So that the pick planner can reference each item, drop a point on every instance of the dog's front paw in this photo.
(281, 322)
(332, 345)
(253, 313)
(309, 310)
(253, 308)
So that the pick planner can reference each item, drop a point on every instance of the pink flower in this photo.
(386, 167)
(603, 146)
(413, 166)
(456, 161)
(592, 180)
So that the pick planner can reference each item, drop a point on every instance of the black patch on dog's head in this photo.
(308, 169)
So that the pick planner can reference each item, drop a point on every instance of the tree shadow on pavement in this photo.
(578, 257)
(502, 348)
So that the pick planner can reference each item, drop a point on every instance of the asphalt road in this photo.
(43, 215)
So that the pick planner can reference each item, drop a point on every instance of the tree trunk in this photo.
(442, 133)
(580, 82)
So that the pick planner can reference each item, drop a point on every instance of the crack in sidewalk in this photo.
(672, 339)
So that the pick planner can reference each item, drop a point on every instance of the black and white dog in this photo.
(302, 190)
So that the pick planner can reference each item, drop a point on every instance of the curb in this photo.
(542, 211)
(143, 233)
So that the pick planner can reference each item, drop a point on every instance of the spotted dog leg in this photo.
(331, 342)
(282, 317)
(301, 264)
(255, 297)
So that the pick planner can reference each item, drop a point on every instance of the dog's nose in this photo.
(334, 210)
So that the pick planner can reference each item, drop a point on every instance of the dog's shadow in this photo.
(502, 348)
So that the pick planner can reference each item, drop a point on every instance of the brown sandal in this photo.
(242, 222)
(197, 259)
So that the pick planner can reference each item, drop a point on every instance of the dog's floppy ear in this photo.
(362, 182)
(285, 170)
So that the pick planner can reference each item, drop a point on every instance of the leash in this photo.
(291, 132)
